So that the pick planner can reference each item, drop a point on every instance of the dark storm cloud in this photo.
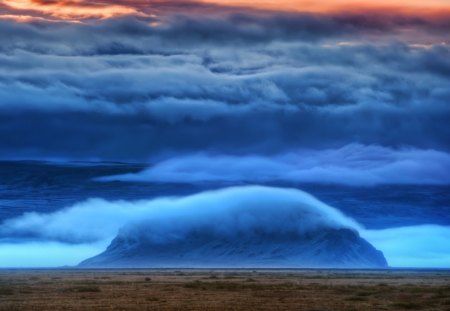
(241, 83)
(230, 29)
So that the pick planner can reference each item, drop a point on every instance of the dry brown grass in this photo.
(224, 290)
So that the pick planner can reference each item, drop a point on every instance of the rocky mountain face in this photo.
(321, 248)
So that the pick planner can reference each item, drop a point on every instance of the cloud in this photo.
(355, 165)
(83, 10)
(256, 83)
(301, 96)
(86, 228)
(80, 223)
(416, 246)
(69, 10)
(46, 254)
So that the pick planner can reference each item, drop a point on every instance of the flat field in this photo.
(310, 290)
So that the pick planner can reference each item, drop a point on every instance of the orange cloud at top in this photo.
(332, 6)
(73, 9)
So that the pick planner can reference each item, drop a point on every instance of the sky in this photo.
(79, 78)
(332, 91)
(82, 9)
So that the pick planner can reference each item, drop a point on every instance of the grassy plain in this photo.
(309, 290)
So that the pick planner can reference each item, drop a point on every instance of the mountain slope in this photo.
(248, 226)
(328, 248)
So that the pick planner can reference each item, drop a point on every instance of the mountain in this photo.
(328, 248)
(238, 227)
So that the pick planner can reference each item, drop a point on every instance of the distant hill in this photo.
(330, 248)
(250, 226)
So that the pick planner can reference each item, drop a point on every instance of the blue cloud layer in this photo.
(122, 89)
(355, 165)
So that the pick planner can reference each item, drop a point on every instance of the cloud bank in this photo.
(91, 225)
(354, 165)
(249, 82)
(80, 223)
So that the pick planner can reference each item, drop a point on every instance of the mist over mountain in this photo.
(230, 228)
